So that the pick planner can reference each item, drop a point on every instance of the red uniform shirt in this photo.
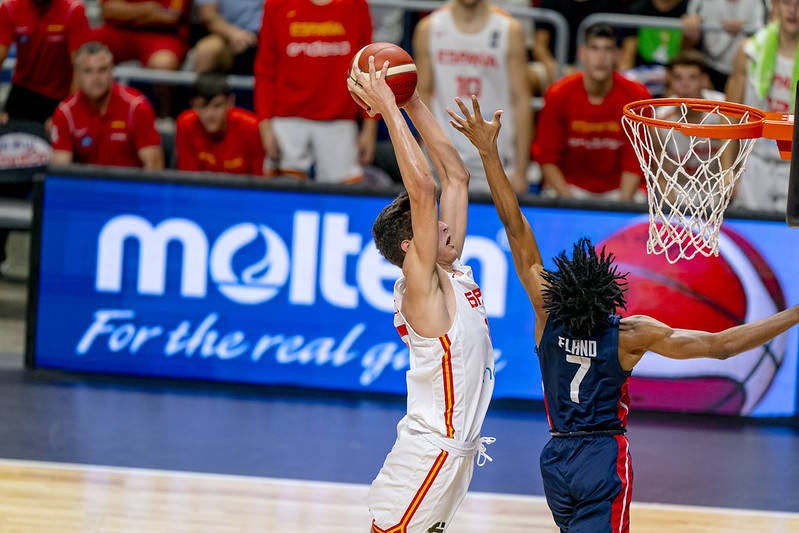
(113, 138)
(45, 40)
(181, 28)
(304, 54)
(238, 150)
(584, 140)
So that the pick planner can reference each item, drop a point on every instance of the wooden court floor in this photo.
(51, 497)
(103, 455)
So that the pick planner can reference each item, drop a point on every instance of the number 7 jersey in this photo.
(585, 388)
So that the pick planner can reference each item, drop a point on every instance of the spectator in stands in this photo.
(764, 76)
(545, 68)
(472, 47)
(687, 77)
(738, 18)
(232, 40)
(216, 136)
(646, 52)
(580, 145)
(154, 32)
(103, 122)
(307, 116)
(47, 33)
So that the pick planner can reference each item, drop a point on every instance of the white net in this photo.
(689, 179)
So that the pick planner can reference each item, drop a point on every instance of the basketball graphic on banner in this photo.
(707, 293)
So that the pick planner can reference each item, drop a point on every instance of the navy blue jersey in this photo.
(585, 387)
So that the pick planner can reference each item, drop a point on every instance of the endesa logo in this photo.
(314, 261)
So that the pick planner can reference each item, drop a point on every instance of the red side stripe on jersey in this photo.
(620, 508)
(546, 408)
(449, 386)
(402, 527)
(402, 329)
(623, 407)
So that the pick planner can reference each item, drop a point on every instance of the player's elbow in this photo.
(423, 183)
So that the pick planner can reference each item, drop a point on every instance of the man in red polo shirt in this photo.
(154, 32)
(215, 136)
(47, 33)
(104, 123)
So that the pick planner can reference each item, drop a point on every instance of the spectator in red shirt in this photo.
(580, 144)
(47, 33)
(154, 32)
(104, 123)
(307, 114)
(215, 136)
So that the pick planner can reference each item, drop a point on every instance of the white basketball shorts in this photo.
(420, 486)
(331, 146)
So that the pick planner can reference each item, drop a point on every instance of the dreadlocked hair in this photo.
(583, 291)
(391, 227)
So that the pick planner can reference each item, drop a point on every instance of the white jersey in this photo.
(780, 99)
(451, 378)
(473, 63)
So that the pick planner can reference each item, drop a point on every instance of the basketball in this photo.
(706, 293)
(401, 74)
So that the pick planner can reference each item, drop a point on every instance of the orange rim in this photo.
(753, 127)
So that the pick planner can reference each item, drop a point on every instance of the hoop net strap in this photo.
(689, 179)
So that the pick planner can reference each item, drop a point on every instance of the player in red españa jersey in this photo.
(303, 48)
(104, 123)
(580, 145)
(215, 136)
(46, 33)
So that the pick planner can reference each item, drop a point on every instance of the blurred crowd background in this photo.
(258, 87)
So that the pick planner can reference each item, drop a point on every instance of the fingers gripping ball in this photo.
(401, 75)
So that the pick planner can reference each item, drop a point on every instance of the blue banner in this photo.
(204, 281)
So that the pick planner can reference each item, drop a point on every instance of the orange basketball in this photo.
(401, 75)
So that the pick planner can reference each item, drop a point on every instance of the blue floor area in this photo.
(313, 435)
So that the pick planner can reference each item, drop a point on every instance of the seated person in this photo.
(103, 122)
(215, 136)
(580, 145)
(232, 39)
(647, 50)
(156, 33)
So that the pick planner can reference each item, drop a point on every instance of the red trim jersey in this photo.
(45, 41)
(584, 140)
(451, 378)
(237, 150)
(304, 54)
(111, 138)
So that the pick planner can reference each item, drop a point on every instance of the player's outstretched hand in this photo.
(371, 88)
(482, 134)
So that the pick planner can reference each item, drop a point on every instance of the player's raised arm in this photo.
(449, 167)
(639, 334)
(526, 256)
(420, 263)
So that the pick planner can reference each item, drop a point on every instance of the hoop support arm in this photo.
(779, 126)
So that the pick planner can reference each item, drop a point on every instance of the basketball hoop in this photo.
(692, 152)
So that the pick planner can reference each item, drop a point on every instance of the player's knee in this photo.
(209, 53)
(163, 60)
